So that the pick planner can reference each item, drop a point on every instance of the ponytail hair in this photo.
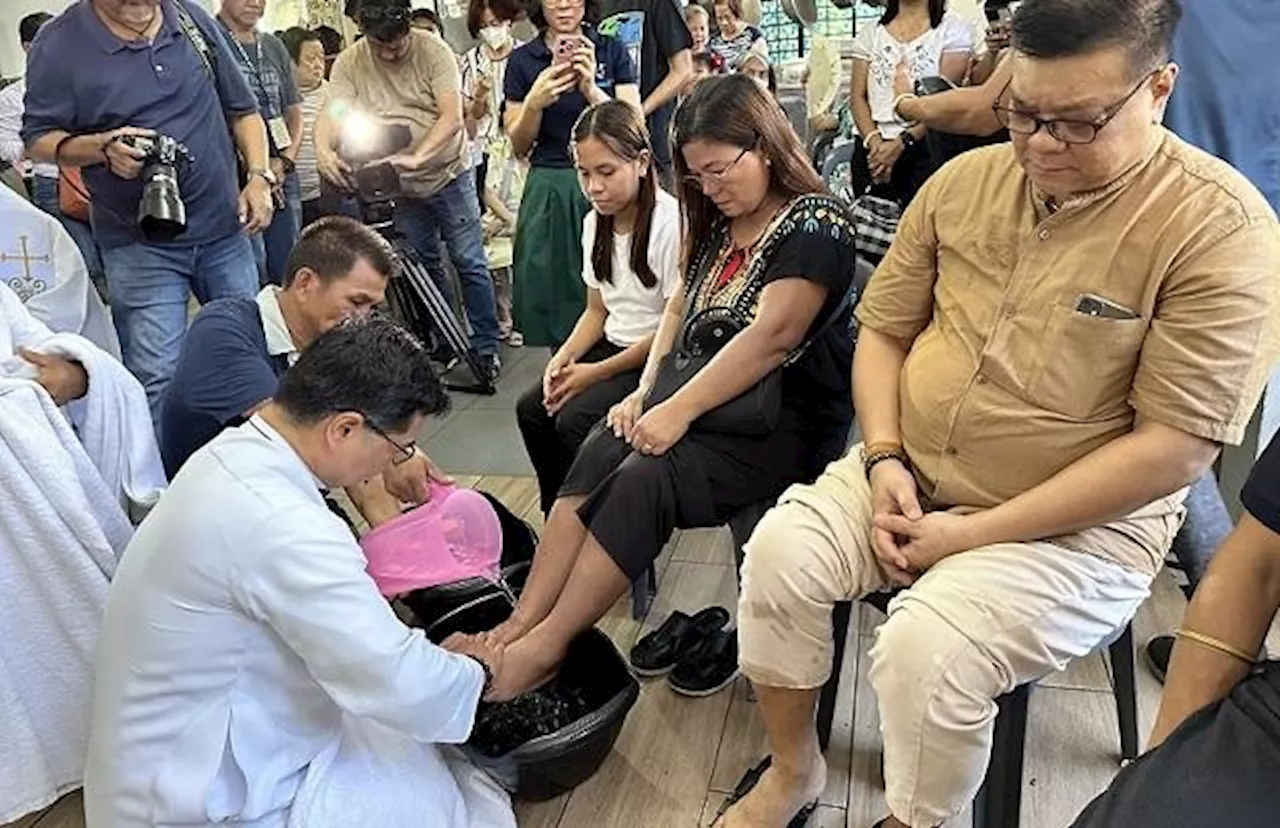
(621, 128)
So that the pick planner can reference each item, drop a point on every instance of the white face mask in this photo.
(495, 37)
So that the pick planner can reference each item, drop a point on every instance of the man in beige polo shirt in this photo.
(1062, 336)
(400, 76)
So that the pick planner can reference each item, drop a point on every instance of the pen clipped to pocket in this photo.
(1091, 304)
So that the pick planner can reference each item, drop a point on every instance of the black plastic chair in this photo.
(999, 800)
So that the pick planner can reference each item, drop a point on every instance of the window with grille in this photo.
(786, 38)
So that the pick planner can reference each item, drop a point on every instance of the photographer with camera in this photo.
(146, 96)
(404, 79)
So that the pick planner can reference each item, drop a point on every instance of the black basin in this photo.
(431, 605)
(594, 673)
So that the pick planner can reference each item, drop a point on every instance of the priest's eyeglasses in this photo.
(404, 453)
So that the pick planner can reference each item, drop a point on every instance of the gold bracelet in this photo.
(1216, 644)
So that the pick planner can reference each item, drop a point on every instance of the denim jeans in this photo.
(150, 287)
(44, 194)
(271, 247)
(453, 215)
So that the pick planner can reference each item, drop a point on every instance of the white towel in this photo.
(112, 419)
(61, 533)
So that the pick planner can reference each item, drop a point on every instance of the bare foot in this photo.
(509, 631)
(526, 665)
(778, 797)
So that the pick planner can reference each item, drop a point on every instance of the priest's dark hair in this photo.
(373, 367)
(331, 246)
(1068, 28)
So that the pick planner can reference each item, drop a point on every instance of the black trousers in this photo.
(912, 169)
(1217, 769)
(553, 442)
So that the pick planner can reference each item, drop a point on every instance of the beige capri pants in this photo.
(972, 628)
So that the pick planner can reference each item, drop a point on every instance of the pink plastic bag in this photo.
(452, 537)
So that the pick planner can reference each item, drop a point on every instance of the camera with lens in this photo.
(364, 145)
(162, 215)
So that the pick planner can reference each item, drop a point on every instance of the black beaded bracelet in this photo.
(488, 674)
(869, 461)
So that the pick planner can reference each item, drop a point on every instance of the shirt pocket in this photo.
(1087, 363)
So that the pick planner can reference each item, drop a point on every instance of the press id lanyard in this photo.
(276, 124)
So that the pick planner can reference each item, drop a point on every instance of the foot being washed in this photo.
(527, 664)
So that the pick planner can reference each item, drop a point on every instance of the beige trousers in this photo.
(970, 629)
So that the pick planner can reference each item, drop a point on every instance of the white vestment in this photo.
(250, 674)
(63, 526)
(40, 262)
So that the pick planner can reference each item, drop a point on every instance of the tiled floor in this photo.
(676, 757)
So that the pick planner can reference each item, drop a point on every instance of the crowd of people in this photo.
(1066, 330)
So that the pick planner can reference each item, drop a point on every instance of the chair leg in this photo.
(840, 616)
(643, 590)
(1122, 668)
(999, 800)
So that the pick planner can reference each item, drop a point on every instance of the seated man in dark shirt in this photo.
(237, 349)
(1217, 738)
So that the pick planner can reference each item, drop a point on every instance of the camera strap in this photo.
(198, 40)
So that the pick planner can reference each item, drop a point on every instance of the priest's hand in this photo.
(410, 481)
(63, 379)
(480, 648)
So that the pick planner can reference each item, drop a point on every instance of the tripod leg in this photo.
(439, 311)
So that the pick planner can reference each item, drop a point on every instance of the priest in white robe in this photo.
(249, 673)
(40, 262)
(77, 453)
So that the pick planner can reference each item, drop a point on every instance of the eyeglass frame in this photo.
(403, 453)
(717, 176)
(1108, 114)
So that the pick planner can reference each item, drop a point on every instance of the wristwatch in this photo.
(908, 140)
(266, 175)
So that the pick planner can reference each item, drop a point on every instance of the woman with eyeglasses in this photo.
(549, 82)
(928, 40)
(745, 391)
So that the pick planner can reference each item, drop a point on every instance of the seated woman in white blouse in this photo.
(630, 264)
(930, 41)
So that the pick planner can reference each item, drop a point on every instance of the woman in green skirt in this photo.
(549, 82)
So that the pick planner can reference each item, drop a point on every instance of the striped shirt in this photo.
(308, 172)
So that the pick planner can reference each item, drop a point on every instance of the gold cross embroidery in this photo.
(25, 285)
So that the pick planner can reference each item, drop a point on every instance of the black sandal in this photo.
(748, 782)
(658, 652)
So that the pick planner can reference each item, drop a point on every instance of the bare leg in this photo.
(374, 502)
(558, 551)
(594, 585)
(797, 774)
